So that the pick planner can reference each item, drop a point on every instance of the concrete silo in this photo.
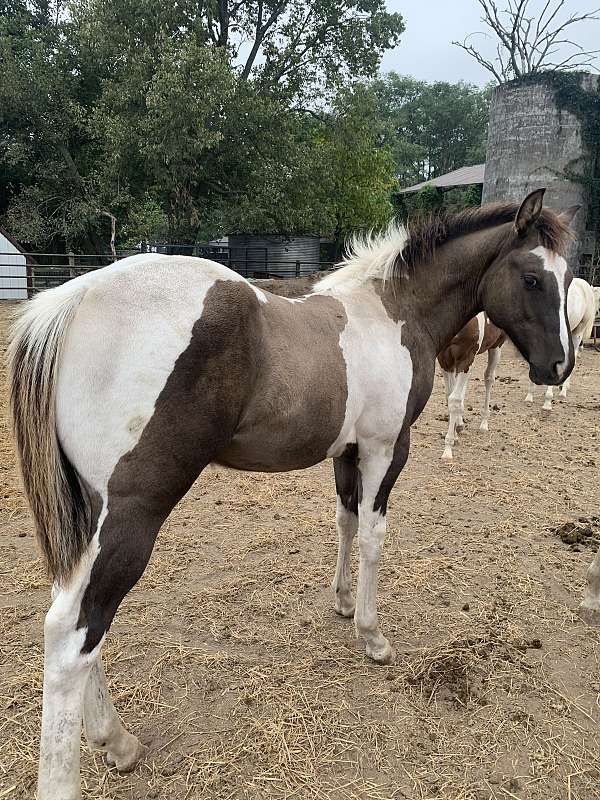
(535, 140)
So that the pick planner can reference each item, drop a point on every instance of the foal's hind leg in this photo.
(74, 632)
(548, 399)
(66, 669)
(346, 484)
(103, 728)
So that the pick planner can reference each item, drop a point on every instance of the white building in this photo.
(13, 269)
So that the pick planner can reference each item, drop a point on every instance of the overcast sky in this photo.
(426, 52)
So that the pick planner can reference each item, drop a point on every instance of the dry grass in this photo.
(229, 663)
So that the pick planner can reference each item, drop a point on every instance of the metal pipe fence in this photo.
(24, 274)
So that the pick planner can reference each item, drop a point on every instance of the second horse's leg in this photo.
(577, 339)
(489, 377)
(529, 396)
(455, 411)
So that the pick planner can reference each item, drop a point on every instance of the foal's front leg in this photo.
(379, 469)
(346, 486)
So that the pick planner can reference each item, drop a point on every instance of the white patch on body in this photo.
(133, 323)
(481, 329)
(379, 373)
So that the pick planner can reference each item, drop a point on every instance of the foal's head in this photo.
(524, 291)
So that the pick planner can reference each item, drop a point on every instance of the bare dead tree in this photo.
(527, 42)
(113, 227)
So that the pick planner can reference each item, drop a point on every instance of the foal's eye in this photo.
(531, 282)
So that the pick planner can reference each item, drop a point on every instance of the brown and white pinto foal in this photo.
(127, 382)
(479, 335)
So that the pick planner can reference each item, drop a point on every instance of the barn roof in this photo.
(464, 176)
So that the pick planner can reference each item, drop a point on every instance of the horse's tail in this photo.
(58, 502)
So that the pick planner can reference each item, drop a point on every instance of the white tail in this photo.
(58, 503)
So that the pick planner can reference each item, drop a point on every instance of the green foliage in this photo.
(149, 112)
(426, 200)
(146, 222)
(432, 128)
(430, 199)
(463, 197)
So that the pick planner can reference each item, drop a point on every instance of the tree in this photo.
(528, 43)
(190, 116)
(432, 128)
(43, 92)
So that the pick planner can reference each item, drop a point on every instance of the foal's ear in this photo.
(567, 215)
(530, 210)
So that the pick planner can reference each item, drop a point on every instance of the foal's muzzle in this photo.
(550, 375)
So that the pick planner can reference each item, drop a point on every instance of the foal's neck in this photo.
(443, 295)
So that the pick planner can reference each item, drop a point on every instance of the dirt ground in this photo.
(228, 661)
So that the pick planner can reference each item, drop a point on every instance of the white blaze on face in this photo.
(558, 267)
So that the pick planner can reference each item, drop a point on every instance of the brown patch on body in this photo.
(461, 352)
(297, 407)
(492, 337)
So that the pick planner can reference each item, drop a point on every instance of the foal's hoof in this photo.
(589, 614)
(529, 398)
(385, 654)
(484, 425)
(447, 454)
(128, 756)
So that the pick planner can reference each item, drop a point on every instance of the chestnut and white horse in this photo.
(127, 382)
(479, 335)
(583, 302)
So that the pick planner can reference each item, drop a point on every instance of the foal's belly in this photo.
(279, 442)
(259, 458)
